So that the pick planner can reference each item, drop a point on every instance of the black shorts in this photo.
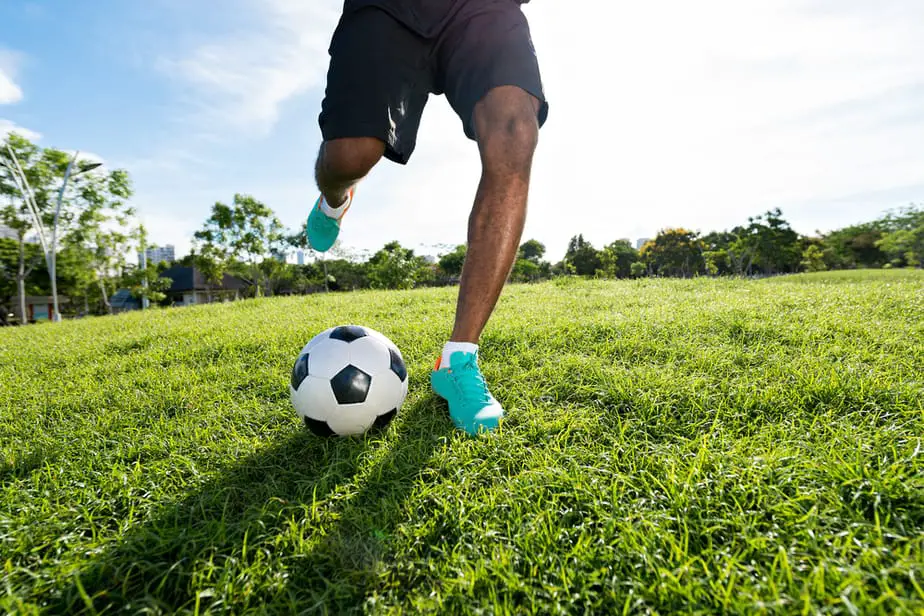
(382, 72)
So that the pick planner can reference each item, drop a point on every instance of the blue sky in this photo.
(665, 114)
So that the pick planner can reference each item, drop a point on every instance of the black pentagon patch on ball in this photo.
(384, 419)
(397, 365)
(351, 385)
(348, 333)
(318, 427)
(299, 371)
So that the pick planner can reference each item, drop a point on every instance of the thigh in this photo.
(378, 82)
(487, 45)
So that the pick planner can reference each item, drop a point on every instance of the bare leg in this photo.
(507, 129)
(342, 163)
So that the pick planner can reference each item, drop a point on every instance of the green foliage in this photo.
(716, 261)
(529, 266)
(855, 246)
(531, 250)
(155, 289)
(674, 252)
(709, 446)
(775, 245)
(77, 280)
(244, 232)
(638, 269)
(903, 240)
(43, 170)
(582, 257)
(346, 275)
(525, 270)
(94, 219)
(394, 267)
(451, 263)
(617, 258)
(813, 259)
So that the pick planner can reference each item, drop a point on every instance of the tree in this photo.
(813, 259)
(145, 281)
(775, 244)
(243, 233)
(903, 242)
(393, 267)
(617, 258)
(856, 246)
(904, 247)
(582, 256)
(525, 270)
(101, 226)
(674, 252)
(532, 250)
(716, 262)
(451, 263)
(43, 170)
(93, 214)
(718, 254)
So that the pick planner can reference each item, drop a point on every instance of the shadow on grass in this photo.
(300, 526)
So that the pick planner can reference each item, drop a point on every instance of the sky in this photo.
(663, 113)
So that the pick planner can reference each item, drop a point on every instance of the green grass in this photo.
(671, 446)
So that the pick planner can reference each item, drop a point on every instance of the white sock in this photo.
(335, 212)
(452, 347)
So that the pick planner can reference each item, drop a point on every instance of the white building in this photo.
(159, 253)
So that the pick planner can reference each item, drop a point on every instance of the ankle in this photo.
(453, 347)
(336, 199)
(335, 209)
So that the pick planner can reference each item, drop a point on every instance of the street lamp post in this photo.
(54, 227)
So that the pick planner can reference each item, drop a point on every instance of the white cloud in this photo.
(9, 91)
(8, 126)
(241, 80)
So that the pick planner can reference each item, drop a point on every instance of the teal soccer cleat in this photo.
(471, 406)
(321, 229)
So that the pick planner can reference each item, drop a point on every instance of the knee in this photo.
(507, 128)
(349, 159)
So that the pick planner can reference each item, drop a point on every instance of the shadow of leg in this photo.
(303, 522)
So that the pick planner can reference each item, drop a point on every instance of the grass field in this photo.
(671, 446)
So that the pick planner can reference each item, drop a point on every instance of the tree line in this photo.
(765, 246)
(99, 236)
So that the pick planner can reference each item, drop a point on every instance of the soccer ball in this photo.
(347, 380)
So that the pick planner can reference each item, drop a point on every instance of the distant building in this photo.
(159, 254)
(38, 307)
(300, 257)
(123, 301)
(641, 242)
(189, 286)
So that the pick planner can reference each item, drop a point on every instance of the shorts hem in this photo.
(371, 130)
(542, 114)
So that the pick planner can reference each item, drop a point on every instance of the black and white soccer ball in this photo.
(347, 380)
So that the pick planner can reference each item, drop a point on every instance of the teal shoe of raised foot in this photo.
(471, 406)
(321, 229)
